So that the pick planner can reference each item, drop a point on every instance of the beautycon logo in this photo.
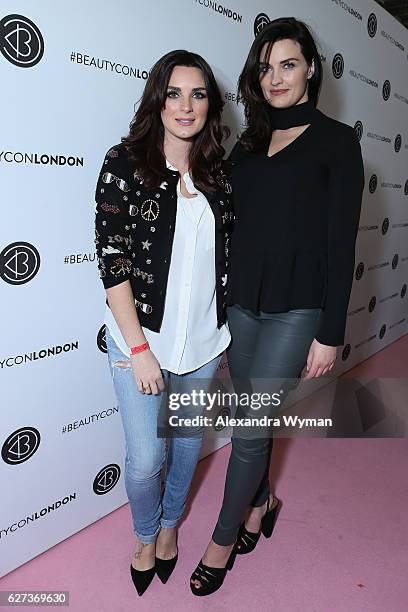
(372, 304)
(372, 185)
(359, 271)
(338, 66)
(386, 90)
(51, 351)
(349, 9)
(261, 20)
(43, 159)
(385, 226)
(220, 9)
(27, 520)
(358, 128)
(19, 263)
(392, 40)
(20, 445)
(372, 25)
(21, 42)
(223, 414)
(106, 479)
(101, 339)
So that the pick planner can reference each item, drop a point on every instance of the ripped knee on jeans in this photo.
(122, 364)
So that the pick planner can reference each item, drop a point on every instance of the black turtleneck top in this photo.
(296, 220)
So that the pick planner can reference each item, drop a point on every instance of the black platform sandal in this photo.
(211, 578)
(247, 540)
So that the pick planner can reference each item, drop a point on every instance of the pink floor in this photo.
(340, 543)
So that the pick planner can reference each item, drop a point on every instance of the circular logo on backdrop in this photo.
(372, 25)
(106, 479)
(101, 339)
(372, 185)
(338, 65)
(359, 270)
(385, 226)
(21, 41)
(382, 331)
(372, 304)
(358, 128)
(406, 187)
(403, 290)
(20, 445)
(397, 143)
(395, 261)
(19, 263)
(346, 352)
(260, 22)
(224, 413)
(386, 90)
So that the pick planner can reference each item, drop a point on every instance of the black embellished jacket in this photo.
(134, 230)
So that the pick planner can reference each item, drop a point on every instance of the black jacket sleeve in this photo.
(346, 184)
(112, 237)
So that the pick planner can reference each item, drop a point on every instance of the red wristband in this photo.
(139, 349)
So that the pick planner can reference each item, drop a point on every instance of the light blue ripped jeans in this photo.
(146, 452)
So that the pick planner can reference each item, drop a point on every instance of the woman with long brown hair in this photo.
(163, 217)
(297, 178)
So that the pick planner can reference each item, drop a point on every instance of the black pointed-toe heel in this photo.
(165, 567)
(142, 578)
(247, 540)
(211, 578)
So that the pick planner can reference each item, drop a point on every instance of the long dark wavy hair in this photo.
(144, 143)
(258, 129)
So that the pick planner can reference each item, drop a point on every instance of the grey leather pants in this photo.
(272, 347)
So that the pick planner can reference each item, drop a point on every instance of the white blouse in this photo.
(188, 337)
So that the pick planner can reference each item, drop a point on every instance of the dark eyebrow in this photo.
(289, 59)
(194, 88)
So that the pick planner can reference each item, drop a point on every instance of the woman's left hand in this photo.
(320, 360)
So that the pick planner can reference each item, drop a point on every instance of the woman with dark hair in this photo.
(298, 178)
(163, 217)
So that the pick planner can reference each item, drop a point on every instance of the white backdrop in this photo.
(71, 73)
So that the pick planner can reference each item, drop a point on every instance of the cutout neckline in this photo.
(291, 144)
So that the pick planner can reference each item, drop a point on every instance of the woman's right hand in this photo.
(147, 372)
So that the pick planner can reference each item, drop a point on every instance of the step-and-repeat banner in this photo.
(71, 74)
